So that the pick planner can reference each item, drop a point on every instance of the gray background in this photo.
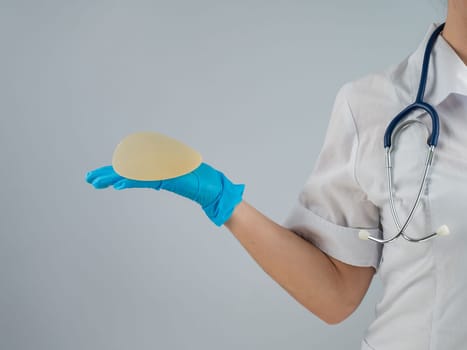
(250, 84)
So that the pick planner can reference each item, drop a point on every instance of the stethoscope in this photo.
(394, 127)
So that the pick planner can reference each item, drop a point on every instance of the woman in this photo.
(317, 256)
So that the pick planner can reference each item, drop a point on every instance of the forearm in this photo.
(303, 270)
(325, 286)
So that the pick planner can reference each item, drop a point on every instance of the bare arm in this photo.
(327, 287)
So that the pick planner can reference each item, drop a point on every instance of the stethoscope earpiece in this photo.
(442, 231)
(364, 235)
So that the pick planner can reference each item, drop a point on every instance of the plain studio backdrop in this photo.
(250, 84)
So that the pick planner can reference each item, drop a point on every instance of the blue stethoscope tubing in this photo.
(393, 128)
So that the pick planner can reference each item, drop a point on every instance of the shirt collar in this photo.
(447, 73)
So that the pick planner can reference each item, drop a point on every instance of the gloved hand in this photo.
(205, 185)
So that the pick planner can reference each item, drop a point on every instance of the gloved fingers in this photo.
(121, 184)
(128, 183)
(93, 174)
(107, 180)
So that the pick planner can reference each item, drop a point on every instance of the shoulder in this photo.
(374, 96)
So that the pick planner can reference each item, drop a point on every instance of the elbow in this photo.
(332, 321)
(337, 307)
(337, 314)
(345, 312)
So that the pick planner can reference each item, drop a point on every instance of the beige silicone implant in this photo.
(150, 156)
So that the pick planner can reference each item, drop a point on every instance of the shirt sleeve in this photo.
(332, 207)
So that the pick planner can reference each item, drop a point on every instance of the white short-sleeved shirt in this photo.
(424, 303)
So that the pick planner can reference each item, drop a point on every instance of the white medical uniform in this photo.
(424, 303)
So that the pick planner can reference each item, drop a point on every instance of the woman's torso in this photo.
(424, 303)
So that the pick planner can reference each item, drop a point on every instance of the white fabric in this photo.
(424, 303)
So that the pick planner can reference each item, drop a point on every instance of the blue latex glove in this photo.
(205, 185)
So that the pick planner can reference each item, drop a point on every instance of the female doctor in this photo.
(317, 255)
